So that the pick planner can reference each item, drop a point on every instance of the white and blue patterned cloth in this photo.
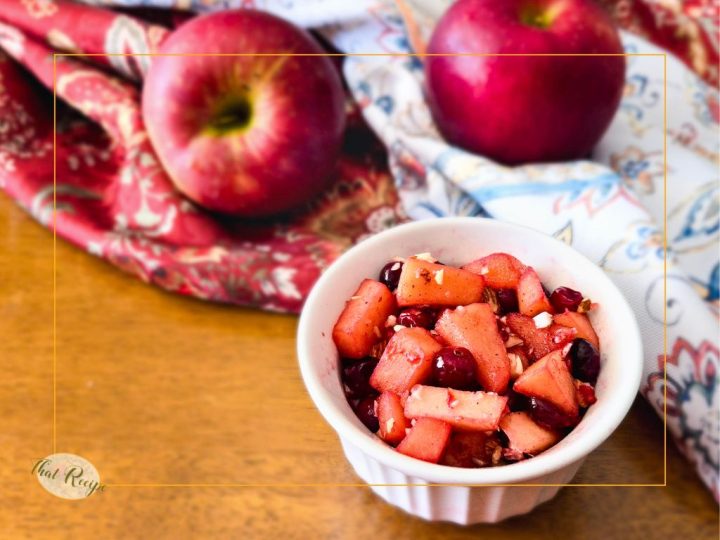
(610, 209)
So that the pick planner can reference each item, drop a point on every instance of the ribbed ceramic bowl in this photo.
(471, 495)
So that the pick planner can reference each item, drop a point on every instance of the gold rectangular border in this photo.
(362, 484)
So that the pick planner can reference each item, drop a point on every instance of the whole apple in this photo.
(517, 109)
(253, 134)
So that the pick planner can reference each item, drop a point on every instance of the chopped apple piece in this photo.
(391, 417)
(426, 440)
(536, 341)
(500, 270)
(406, 361)
(423, 282)
(472, 411)
(549, 379)
(361, 323)
(581, 324)
(474, 327)
(525, 436)
(531, 295)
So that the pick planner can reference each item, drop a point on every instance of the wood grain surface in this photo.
(154, 388)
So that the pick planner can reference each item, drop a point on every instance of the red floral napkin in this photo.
(113, 197)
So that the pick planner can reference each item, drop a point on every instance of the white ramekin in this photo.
(472, 495)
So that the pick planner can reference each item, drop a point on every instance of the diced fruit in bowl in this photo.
(473, 411)
(423, 282)
(476, 366)
(549, 378)
(564, 298)
(500, 270)
(474, 327)
(357, 378)
(526, 436)
(585, 361)
(406, 361)
(581, 324)
(547, 414)
(454, 367)
(359, 326)
(426, 440)
(531, 294)
(365, 410)
(391, 417)
(424, 317)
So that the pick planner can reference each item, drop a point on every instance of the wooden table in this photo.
(157, 389)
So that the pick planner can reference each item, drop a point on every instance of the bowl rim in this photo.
(621, 398)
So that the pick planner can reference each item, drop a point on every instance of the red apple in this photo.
(248, 135)
(517, 109)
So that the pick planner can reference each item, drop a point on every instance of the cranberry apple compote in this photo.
(468, 367)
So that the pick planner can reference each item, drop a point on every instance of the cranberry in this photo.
(548, 415)
(365, 411)
(517, 402)
(390, 274)
(585, 360)
(412, 317)
(564, 298)
(507, 300)
(454, 367)
(356, 377)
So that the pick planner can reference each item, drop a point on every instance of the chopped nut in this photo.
(425, 257)
(398, 327)
(513, 341)
(516, 365)
(389, 424)
(543, 320)
(423, 273)
(391, 321)
(496, 455)
(439, 276)
(513, 455)
(585, 306)
(355, 297)
(489, 297)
